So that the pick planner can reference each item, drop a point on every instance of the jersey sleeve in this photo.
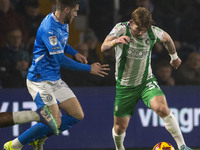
(50, 39)
(118, 30)
(68, 49)
(71, 64)
(55, 48)
(158, 33)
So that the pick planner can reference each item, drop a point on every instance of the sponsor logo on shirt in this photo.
(138, 54)
(54, 48)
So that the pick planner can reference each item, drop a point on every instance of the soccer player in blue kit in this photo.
(43, 79)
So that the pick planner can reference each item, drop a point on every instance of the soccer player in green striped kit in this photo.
(133, 42)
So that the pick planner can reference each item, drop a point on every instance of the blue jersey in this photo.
(49, 48)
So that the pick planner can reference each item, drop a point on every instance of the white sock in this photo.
(171, 124)
(21, 117)
(16, 144)
(119, 140)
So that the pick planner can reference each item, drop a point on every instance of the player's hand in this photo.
(123, 39)
(81, 58)
(176, 63)
(98, 69)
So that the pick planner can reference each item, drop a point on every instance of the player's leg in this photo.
(119, 131)
(35, 132)
(154, 98)
(159, 105)
(21, 117)
(39, 91)
(38, 132)
(125, 101)
(6, 119)
(42, 131)
(44, 97)
(73, 108)
(67, 102)
(73, 116)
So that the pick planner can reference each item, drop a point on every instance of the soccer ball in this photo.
(163, 146)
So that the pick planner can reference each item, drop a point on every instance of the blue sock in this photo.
(41, 130)
(67, 122)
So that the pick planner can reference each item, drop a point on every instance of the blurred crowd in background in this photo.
(20, 19)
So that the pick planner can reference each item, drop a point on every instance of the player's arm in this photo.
(69, 50)
(68, 63)
(95, 68)
(170, 47)
(55, 48)
(57, 51)
(111, 41)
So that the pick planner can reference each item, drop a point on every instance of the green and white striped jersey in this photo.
(133, 61)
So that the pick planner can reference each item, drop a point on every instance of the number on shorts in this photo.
(152, 85)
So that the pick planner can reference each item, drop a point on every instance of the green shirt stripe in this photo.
(123, 58)
(152, 37)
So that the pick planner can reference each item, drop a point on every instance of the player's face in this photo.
(73, 12)
(135, 30)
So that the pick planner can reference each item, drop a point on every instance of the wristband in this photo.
(112, 43)
(173, 56)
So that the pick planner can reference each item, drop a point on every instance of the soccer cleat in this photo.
(7, 146)
(184, 147)
(38, 144)
(47, 118)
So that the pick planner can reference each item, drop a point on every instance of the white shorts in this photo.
(49, 92)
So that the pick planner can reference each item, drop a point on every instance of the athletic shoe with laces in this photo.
(184, 147)
(38, 144)
(47, 118)
(7, 146)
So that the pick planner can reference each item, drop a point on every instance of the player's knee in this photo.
(80, 116)
(162, 110)
(120, 128)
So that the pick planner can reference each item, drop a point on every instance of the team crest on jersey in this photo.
(148, 42)
(53, 40)
(49, 98)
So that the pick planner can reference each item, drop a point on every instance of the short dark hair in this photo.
(61, 4)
